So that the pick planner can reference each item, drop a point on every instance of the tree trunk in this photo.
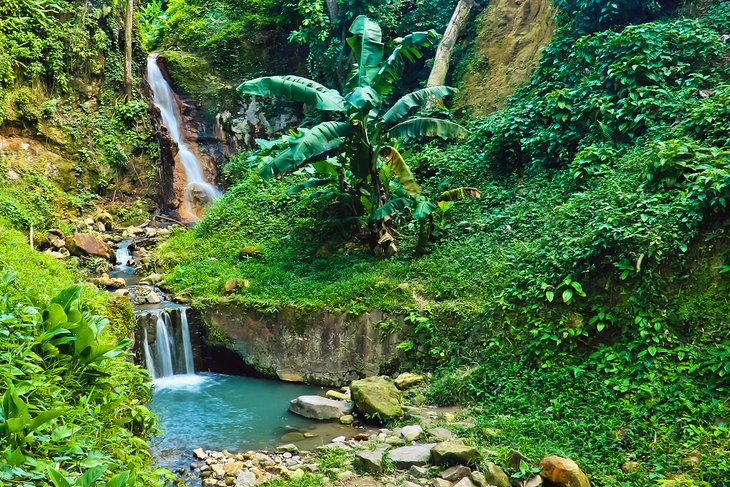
(332, 10)
(448, 41)
(128, 20)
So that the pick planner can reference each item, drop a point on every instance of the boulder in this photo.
(411, 433)
(342, 396)
(479, 479)
(465, 482)
(407, 379)
(437, 482)
(87, 245)
(440, 434)
(494, 475)
(109, 282)
(369, 461)
(454, 452)
(245, 479)
(143, 295)
(406, 456)
(153, 279)
(535, 481)
(318, 407)
(563, 472)
(376, 397)
(455, 473)
(347, 419)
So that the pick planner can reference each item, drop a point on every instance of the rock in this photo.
(437, 482)
(289, 447)
(455, 473)
(441, 434)
(454, 452)
(318, 407)
(563, 472)
(417, 471)
(479, 479)
(245, 479)
(85, 245)
(56, 233)
(411, 433)
(406, 456)
(200, 454)
(150, 232)
(407, 379)
(345, 475)
(55, 255)
(109, 282)
(289, 376)
(514, 458)
(292, 436)
(100, 227)
(535, 481)
(89, 221)
(408, 483)
(449, 417)
(494, 475)
(337, 395)
(347, 419)
(339, 439)
(376, 397)
(151, 279)
(465, 482)
(233, 468)
(630, 467)
(143, 295)
(58, 243)
(361, 437)
(106, 219)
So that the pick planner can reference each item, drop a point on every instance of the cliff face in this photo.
(510, 38)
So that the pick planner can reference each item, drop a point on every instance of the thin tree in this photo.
(128, 19)
(442, 60)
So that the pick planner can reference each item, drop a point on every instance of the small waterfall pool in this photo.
(208, 410)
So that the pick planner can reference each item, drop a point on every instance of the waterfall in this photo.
(172, 351)
(187, 346)
(197, 189)
(122, 254)
(163, 345)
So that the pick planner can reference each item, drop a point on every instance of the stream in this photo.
(196, 409)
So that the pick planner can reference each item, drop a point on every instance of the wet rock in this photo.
(347, 419)
(290, 448)
(143, 295)
(338, 439)
(87, 245)
(292, 436)
(200, 454)
(563, 472)
(454, 452)
(411, 433)
(376, 397)
(456, 473)
(494, 475)
(407, 380)
(406, 456)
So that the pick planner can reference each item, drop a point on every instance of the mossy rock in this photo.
(376, 397)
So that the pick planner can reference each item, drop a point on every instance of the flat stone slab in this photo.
(318, 407)
(407, 456)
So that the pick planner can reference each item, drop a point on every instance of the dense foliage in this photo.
(582, 304)
(72, 403)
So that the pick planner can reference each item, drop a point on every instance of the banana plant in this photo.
(355, 152)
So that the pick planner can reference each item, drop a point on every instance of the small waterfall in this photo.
(187, 346)
(163, 345)
(122, 254)
(148, 358)
(171, 353)
(197, 189)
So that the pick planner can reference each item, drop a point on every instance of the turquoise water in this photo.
(223, 412)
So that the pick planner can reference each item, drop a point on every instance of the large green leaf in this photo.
(428, 127)
(317, 142)
(423, 209)
(119, 480)
(409, 49)
(416, 99)
(367, 45)
(295, 88)
(363, 98)
(67, 297)
(392, 206)
(57, 478)
(401, 170)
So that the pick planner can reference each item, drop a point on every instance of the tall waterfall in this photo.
(171, 353)
(197, 188)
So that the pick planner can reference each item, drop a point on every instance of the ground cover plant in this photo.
(581, 305)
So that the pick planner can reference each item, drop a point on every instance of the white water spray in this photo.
(187, 346)
(171, 353)
(197, 189)
(163, 345)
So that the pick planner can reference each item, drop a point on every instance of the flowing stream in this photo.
(197, 190)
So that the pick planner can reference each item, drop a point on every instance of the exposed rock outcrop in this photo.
(318, 407)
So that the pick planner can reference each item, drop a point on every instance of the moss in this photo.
(193, 76)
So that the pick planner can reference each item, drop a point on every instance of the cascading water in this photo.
(197, 189)
(172, 352)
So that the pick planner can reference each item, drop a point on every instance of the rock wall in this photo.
(510, 39)
(317, 347)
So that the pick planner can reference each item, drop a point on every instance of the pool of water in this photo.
(223, 412)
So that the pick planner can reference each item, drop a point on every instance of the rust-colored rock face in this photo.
(85, 244)
(562, 472)
(509, 43)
